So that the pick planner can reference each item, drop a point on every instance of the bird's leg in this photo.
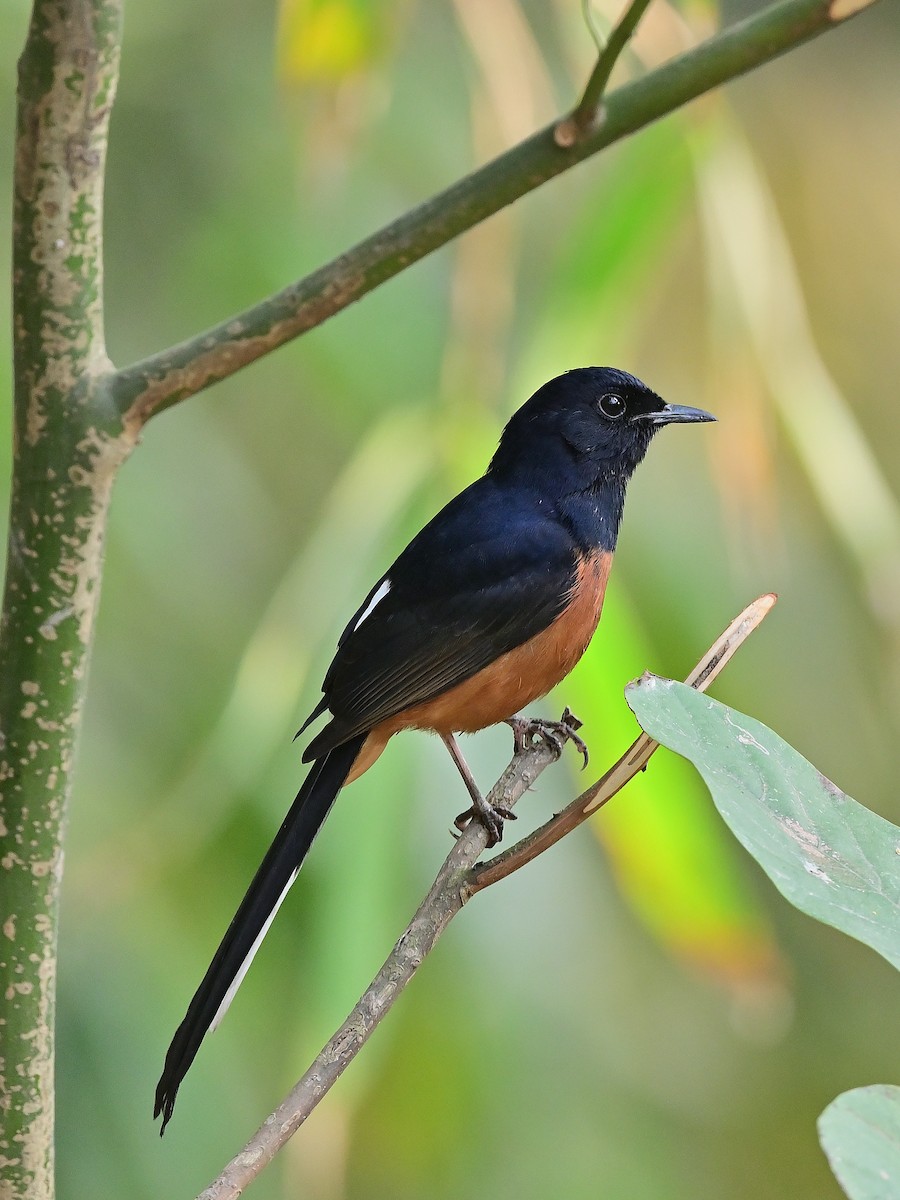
(491, 816)
(554, 733)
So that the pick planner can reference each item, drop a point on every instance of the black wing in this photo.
(488, 573)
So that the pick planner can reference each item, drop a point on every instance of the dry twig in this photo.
(457, 881)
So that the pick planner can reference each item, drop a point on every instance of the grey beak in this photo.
(681, 414)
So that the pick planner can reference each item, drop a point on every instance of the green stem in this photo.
(585, 114)
(164, 379)
(68, 444)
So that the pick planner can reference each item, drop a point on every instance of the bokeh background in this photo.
(638, 1014)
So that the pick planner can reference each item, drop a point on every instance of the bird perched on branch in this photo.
(486, 609)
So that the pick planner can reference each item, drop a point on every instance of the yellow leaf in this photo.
(324, 40)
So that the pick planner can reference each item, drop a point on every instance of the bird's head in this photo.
(591, 424)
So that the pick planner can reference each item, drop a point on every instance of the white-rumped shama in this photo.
(486, 609)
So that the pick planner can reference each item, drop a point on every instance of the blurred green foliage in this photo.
(743, 255)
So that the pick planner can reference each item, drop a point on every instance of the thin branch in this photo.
(164, 379)
(457, 881)
(442, 903)
(630, 764)
(586, 114)
(587, 13)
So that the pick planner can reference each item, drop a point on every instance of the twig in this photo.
(442, 903)
(456, 882)
(587, 13)
(630, 764)
(158, 382)
(586, 114)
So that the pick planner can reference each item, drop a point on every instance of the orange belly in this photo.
(513, 680)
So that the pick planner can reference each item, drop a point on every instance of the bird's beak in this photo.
(678, 414)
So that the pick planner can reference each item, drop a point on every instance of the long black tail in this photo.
(252, 920)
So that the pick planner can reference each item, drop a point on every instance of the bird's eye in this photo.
(611, 405)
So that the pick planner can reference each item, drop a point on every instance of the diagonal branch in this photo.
(457, 881)
(164, 379)
(586, 114)
(630, 764)
(434, 914)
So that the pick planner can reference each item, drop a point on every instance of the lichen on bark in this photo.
(68, 445)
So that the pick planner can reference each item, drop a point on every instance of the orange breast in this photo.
(522, 675)
(514, 679)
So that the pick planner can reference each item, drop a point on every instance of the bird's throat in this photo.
(593, 516)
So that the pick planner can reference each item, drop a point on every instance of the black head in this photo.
(587, 426)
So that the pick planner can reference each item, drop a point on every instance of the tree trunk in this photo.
(69, 442)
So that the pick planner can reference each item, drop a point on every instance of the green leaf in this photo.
(860, 1134)
(825, 853)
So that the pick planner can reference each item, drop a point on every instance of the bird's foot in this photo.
(490, 815)
(554, 734)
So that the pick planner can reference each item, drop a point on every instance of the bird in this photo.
(490, 605)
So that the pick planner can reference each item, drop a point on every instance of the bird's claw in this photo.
(491, 817)
(554, 734)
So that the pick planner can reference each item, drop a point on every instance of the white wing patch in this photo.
(376, 599)
(245, 965)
